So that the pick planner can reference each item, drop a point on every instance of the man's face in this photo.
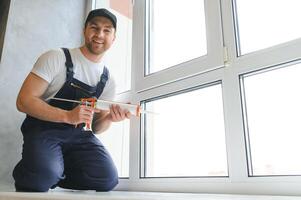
(99, 35)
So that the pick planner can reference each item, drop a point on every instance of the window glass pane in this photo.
(118, 58)
(272, 110)
(116, 141)
(187, 136)
(177, 32)
(266, 23)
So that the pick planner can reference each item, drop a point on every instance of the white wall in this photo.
(33, 27)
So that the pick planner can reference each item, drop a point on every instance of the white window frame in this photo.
(273, 56)
(226, 67)
(213, 60)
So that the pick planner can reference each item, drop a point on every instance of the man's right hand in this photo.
(81, 114)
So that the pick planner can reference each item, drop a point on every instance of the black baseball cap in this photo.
(102, 12)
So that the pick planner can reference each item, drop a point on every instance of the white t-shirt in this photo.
(50, 66)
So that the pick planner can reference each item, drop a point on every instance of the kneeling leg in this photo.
(41, 166)
(89, 167)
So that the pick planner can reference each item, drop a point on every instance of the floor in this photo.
(120, 195)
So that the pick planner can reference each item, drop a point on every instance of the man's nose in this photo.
(100, 33)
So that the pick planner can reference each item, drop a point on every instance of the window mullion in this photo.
(237, 163)
(236, 148)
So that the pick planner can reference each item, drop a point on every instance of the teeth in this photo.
(98, 42)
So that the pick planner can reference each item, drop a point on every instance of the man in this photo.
(57, 151)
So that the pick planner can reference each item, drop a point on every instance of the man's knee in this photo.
(105, 181)
(37, 181)
(107, 185)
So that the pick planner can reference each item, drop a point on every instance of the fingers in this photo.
(118, 114)
(114, 110)
(81, 114)
(86, 114)
(128, 115)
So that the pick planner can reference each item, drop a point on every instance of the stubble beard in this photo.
(93, 51)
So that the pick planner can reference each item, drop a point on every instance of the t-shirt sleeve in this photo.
(48, 65)
(109, 91)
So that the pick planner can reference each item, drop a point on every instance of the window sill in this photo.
(124, 195)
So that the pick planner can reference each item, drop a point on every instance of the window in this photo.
(243, 84)
(178, 36)
(178, 39)
(272, 108)
(186, 137)
(275, 22)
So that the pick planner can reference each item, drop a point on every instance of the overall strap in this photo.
(102, 83)
(69, 64)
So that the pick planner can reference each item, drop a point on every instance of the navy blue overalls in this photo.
(59, 154)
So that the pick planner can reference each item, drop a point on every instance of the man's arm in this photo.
(103, 119)
(101, 122)
(29, 101)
